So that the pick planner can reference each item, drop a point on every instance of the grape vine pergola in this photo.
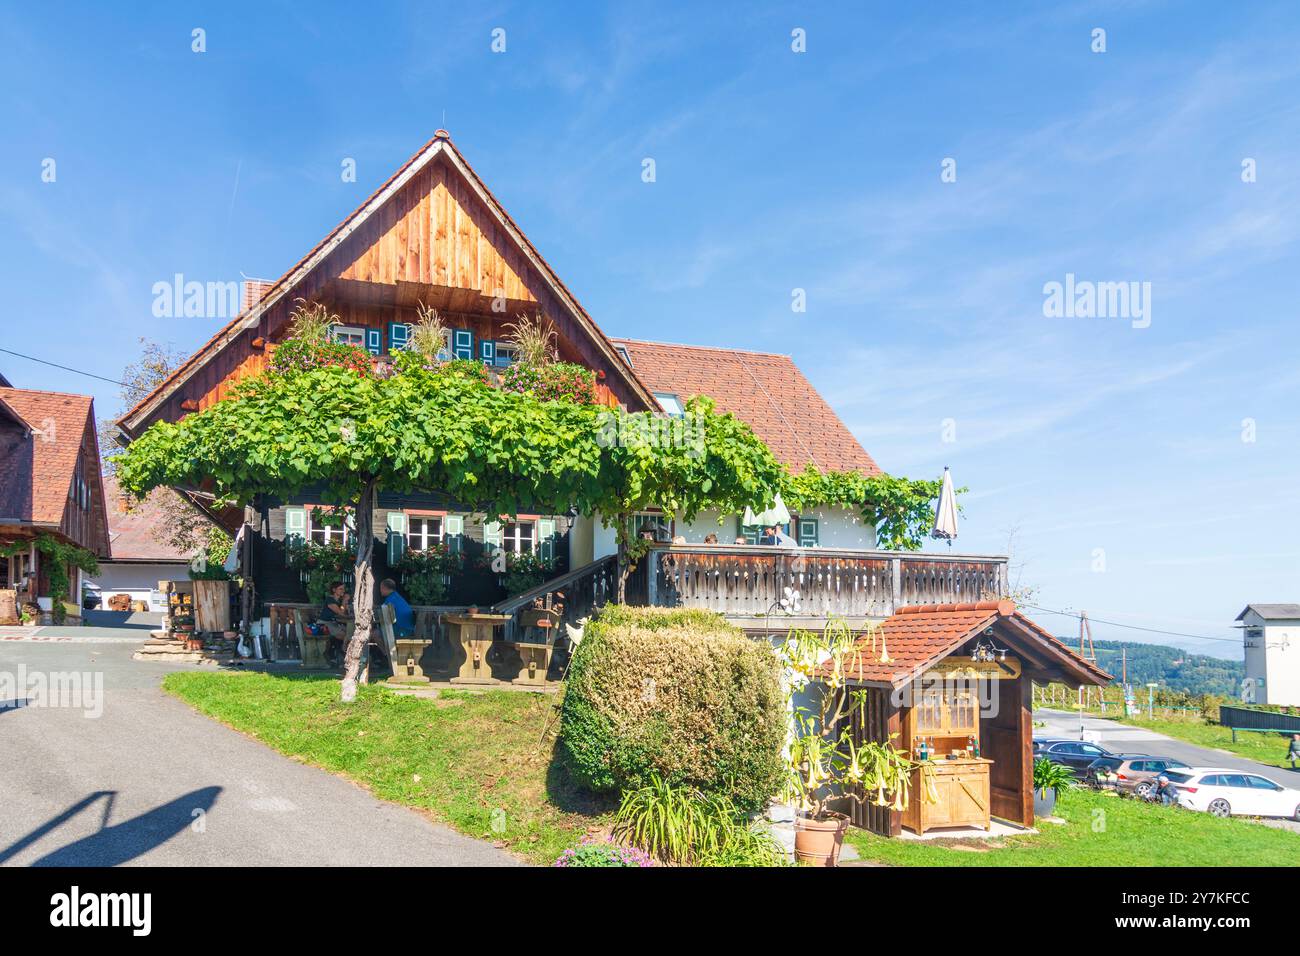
(441, 426)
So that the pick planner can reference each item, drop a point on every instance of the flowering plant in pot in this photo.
(825, 764)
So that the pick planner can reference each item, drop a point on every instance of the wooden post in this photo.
(895, 583)
(652, 578)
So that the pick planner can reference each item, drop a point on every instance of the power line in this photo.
(1135, 627)
(75, 371)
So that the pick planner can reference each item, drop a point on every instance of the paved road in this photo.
(1124, 738)
(149, 781)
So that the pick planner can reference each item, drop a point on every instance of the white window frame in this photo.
(671, 403)
(423, 541)
(504, 355)
(330, 534)
(512, 539)
(349, 335)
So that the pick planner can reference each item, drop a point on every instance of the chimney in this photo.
(254, 289)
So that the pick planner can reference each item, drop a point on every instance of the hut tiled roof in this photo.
(918, 635)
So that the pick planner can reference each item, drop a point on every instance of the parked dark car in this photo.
(1134, 773)
(1075, 754)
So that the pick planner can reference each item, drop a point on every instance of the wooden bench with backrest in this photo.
(404, 653)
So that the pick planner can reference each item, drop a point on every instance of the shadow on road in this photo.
(120, 842)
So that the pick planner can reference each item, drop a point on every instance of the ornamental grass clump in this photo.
(680, 696)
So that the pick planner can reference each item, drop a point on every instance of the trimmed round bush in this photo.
(677, 693)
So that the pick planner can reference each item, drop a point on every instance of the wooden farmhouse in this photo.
(434, 235)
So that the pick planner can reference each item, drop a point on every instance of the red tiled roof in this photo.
(34, 481)
(763, 389)
(918, 635)
(134, 534)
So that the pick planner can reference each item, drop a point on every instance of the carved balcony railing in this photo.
(747, 582)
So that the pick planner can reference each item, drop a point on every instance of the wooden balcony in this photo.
(746, 583)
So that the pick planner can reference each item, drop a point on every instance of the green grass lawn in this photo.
(466, 759)
(1102, 831)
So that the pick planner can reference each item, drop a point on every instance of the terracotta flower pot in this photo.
(818, 841)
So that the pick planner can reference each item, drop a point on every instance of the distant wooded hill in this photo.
(1174, 669)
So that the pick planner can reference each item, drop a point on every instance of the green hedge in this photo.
(678, 693)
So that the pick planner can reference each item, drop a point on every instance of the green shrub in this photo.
(659, 619)
(678, 694)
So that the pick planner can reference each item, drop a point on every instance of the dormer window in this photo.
(670, 403)
(623, 353)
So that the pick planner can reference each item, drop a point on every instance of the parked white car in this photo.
(1225, 792)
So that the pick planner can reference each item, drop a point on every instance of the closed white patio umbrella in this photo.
(945, 515)
(777, 514)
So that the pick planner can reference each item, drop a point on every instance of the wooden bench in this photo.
(535, 654)
(313, 648)
(404, 653)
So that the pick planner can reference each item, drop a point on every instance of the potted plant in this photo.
(825, 765)
(1049, 779)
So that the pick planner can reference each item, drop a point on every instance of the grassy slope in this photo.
(460, 757)
(1103, 831)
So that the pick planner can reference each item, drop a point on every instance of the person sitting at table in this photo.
(781, 539)
(710, 538)
(335, 614)
(403, 616)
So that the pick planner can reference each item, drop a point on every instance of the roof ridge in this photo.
(45, 391)
(708, 348)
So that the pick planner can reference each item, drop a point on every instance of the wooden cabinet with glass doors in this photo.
(943, 723)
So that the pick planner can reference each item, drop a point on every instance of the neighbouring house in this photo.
(142, 555)
(50, 485)
(1271, 638)
(434, 235)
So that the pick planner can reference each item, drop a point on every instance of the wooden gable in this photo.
(433, 235)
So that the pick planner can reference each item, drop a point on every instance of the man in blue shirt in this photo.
(403, 616)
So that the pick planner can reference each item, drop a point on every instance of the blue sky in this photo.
(1112, 457)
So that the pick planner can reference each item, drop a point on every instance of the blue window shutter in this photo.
(295, 525)
(462, 344)
(453, 532)
(399, 336)
(487, 351)
(374, 341)
(546, 538)
(396, 537)
(807, 532)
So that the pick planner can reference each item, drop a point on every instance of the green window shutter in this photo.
(462, 344)
(487, 351)
(374, 341)
(396, 537)
(752, 532)
(399, 336)
(546, 538)
(807, 532)
(453, 532)
(491, 535)
(295, 525)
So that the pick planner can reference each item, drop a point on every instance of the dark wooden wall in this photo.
(876, 721)
(1007, 739)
